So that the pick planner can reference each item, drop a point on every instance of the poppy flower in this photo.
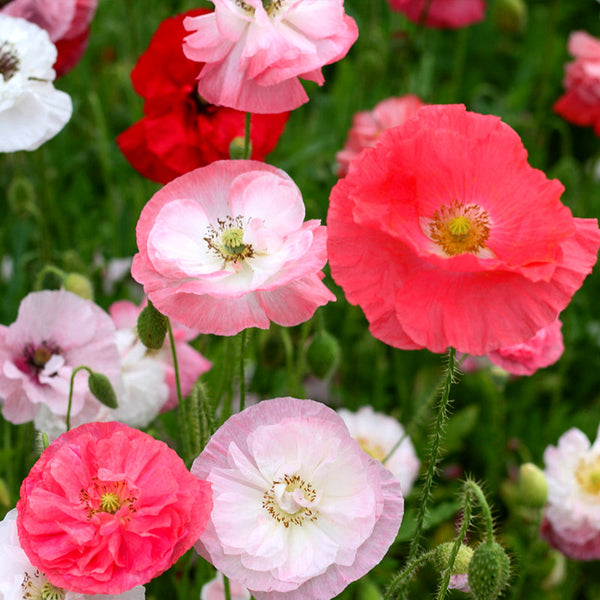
(445, 236)
(442, 14)
(225, 247)
(107, 507)
(255, 50)
(180, 131)
(67, 23)
(580, 104)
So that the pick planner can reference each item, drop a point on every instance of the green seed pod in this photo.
(489, 571)
(236, 148)
(461, 563)
(79, 284)
(152, 327)
(533, 485)
(323, 354)
(103, 390)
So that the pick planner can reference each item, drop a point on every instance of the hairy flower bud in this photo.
(489, 571)
(323, 354)
(510, 15)
(533, 485)
(79, 284)
(152, 327)
(461, 562)
(103, 390)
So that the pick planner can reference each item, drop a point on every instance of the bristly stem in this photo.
(434, 453)
(402, 578)
(247, 146)
(183, 424)
(75, 371)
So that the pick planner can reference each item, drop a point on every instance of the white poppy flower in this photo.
(31, 110)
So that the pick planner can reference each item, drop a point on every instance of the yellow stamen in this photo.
(588, 476)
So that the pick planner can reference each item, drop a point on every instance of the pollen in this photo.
(460, 228)
(588, 476)
(108, 497)
(226, 240)
(288, 508)
(9, 61)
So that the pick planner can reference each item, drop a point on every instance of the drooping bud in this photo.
(510, 15)
(102, 389)
(489, 571)
(533, 485)
(323, 354)
(152, 327)
(461, 562)
(79, 284)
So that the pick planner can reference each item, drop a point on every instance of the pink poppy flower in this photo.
(55, 332)
(581, 102)
(571, 521)
(442, 14)
(255, 50)
(430, 235)
(377, 435)
(66, 21)
(20, 580)
(215, 590)
(367, 126)
(107, 507)
(224, 247)
(542, 350)
(191, 363)
(318, 511)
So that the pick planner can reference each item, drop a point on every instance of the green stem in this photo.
(436, 441)
(39, 280)
(242, 372)
(226, 588)
(183, 424)
(247, 144)
(472, 488)
(75, 371)
(404, 576)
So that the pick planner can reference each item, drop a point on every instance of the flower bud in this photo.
(102, 389)
(533, 485)
(79, 284)
(489, 571)
(236, 148)
(323, 354)
(4, 494)
(152, 327)
(461, 562)
(510, 15)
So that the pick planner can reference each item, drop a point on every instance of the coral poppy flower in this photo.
(67, 23)
(255, 50)
(368, 125)
(542, 350)
(318, 512)
(224, 248)
(445, 236)
(571, 521)
(32, 111)
(180, 131)
(107, 507)
(581, 102)
(442, 14)
(55, 332)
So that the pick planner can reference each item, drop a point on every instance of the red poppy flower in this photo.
(442, 14)
(67, 24)
(181, 132)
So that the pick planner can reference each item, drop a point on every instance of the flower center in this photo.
(272, 7)
(37, 587)
(107, 497)
(291, 501)
(588, 475)
(227, 240)
(9, 61)
(35, 358)
(460, 228)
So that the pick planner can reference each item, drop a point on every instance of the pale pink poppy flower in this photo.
(318, 512)
(571, 521)
(55, 332)
(542, 350)
(107, 507)
(190, 362)
(443, 14)
(460, 582)
(19, 579)
(580, 104)
(255, 50)
(367, 126)
(429, 234)
(225, 247)
(215, 590)
(377, 435)
(66, 21)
